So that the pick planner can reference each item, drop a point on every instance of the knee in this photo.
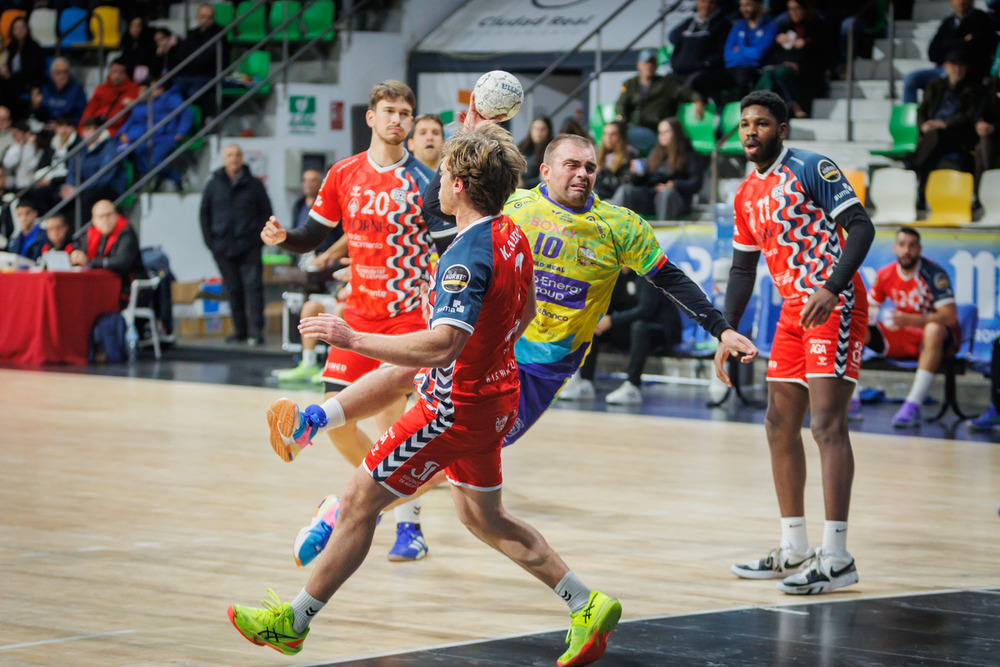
(934, 332)
(829, 429)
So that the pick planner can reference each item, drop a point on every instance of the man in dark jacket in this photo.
(968, 29)
(109, 242)
(699, 47)
(100, 151)
(946, 119)
(205, 65)
(234, 208)
(648, 98)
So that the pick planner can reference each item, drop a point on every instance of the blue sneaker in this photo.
(313, 538)
(292, 429)
(987, 421)
(409, 544)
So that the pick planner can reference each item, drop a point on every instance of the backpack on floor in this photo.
(108, 337)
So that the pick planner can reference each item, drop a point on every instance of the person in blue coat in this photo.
(100, 150)
(62, 95)
(164, 140)
(749, 45)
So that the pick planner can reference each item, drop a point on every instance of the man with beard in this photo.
(377, 197)
(924, 324)
(794, 207)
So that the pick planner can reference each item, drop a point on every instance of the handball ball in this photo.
(498, 93)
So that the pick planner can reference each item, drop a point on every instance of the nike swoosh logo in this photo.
(837, 573)
(839, 530)
(795, 525)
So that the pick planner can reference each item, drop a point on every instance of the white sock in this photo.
(304, 607)
(573, 592)
(334, 413)
(309, 357)
(793, 534)
(835, 539)
(921, 385)
(408, 512)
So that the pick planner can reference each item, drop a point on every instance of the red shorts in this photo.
(906, 342)
(344, 367)
(833, 349)
(465, 444)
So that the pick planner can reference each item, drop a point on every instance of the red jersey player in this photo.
(793, 208)
(484, 299)
(376, 196)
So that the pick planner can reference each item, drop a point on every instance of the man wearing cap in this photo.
(648, 98)
(946, 119)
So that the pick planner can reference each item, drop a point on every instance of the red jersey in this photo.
(388, 238)
(481, 285)
(924, 291)
(788, 214)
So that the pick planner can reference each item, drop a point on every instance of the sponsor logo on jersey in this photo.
(429, 468)
(561, 290)
(828, 171)
(456, 278)
(501, 422)
(585, 256)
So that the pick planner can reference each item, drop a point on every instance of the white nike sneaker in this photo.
(627, 394)
(824, 573)
(778, 564)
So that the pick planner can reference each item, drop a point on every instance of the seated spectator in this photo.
(749, 46)
(110, 97)
(164, 140)
(573, 126)
(167, 54)
(100, 150)
(139, 50)
(533, 149)
(62, 95)
(108, 241)
(797, 72)
(946, 119)
(22, 68)
(29, 236)
(426, 140)
(21, 159)
(204, 67)
(7, 198)
(615, 159)
(924, 325)
(6, 131)
(53, 166)
(988, 130)
(673, 176)
(640, 319)
(57, 234)
(648, 97)
(968, 29)
(699, 47)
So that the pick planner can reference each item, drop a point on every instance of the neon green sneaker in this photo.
(589, 629)
(301, 373)
(270, 625)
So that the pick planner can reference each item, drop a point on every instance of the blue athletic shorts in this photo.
(537, 394)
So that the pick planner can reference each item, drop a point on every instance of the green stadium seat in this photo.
(701, 131)
(224, 13)
(318, 17)
(730, 118)
(603, 114)
(253, 26)
(663, 54)
(278, 16)
(257, 66)
(904, 131)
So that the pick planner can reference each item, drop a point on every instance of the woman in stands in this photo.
(672, 178)
(533, 149)
(615, 159)
(22, 67)
(139, 50)
(800, 58)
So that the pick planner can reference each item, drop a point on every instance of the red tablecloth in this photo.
(46, 317)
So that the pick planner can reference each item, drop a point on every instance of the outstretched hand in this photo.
(328, 328)
(732, 344)
(472, 119)
(273, 233)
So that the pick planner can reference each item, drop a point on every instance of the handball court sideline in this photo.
(137, 510)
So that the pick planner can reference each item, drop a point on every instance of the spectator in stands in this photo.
(946, 119)
(168, 52)
(748, 47)
(311, 182)
(427, 139)
(924, 324)
(987, 154)
(870, 23)
(698, 59)
(234, 209)
(672, 177)
(969, 29)
(616, 159)
(573, 126)
(6, 131)
(109, 242)
(57, 234)
(22, 68)
(62, 95)
(200, 71)
(647, 98)
(139, 50)
(53, 167)
(164, 141)
(100, 151)
(797, 72)
(640, 319)
(7, 198)
(29, 236)
(21, 159)
(532, 147)
(110, 97)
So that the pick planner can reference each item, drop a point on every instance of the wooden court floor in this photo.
(135, 511)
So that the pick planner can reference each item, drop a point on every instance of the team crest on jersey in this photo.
(828, 171)
(776, 192)
(398, 195)
(941, 281)
(501, 422)
(354, 204)
(456, 278)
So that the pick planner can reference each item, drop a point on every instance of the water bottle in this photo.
(131, 342)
